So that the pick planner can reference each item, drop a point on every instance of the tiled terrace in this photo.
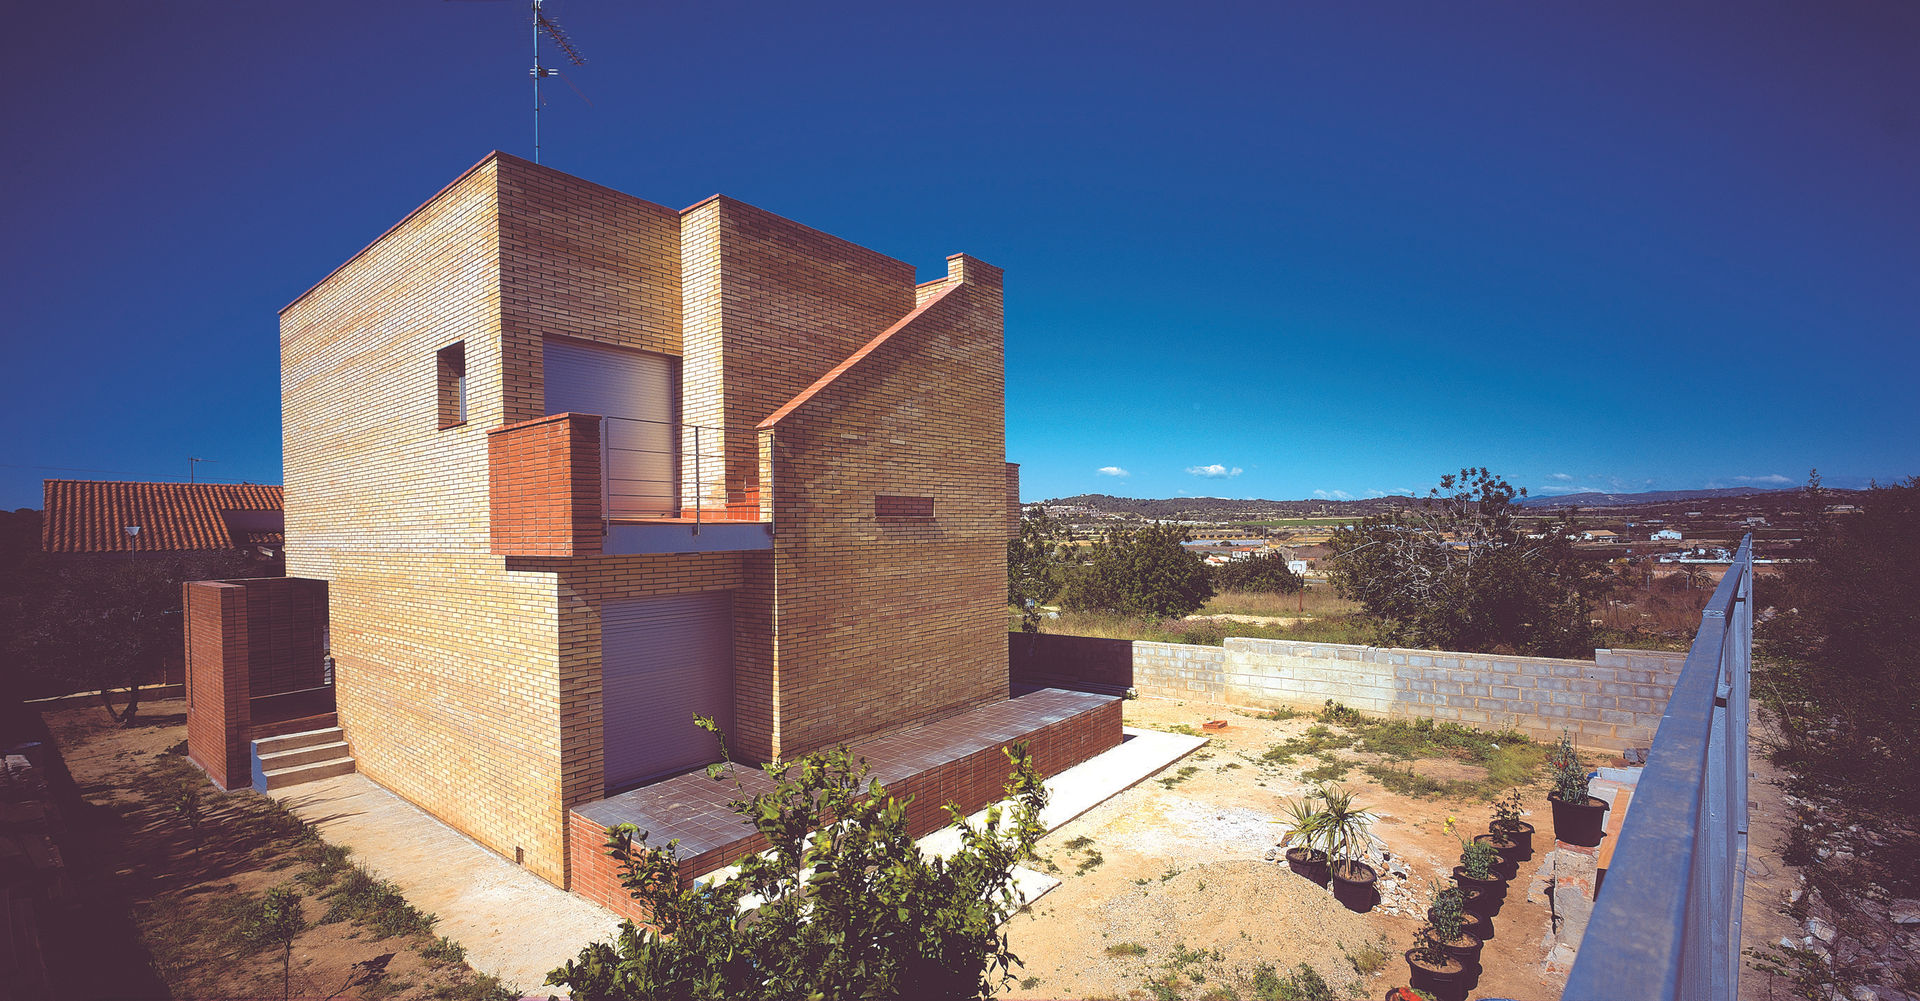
(956, 760)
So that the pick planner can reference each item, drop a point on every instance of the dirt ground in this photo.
(1179, 868)
(159, 898)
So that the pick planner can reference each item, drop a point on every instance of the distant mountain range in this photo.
(1597, 499)
(1225, 509)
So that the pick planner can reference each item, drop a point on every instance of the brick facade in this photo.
(246, 642)
(466, 572)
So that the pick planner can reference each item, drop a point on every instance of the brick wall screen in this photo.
(544, 486)
(246, 640)
(1613, 702)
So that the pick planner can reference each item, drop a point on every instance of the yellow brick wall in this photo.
(884, 624)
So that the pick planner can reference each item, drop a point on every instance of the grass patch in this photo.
(374, 904)
(1368, 959)
(1330, 769)
(1315, 601)
(1302, 983)
(1318, 739)
(1186, 772)
(1126, 949)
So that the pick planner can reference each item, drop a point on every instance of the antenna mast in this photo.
(542, 24)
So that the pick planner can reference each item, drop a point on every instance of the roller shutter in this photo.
(662, 661)
(639, 392)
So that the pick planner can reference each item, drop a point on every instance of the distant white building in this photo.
(1667, 535)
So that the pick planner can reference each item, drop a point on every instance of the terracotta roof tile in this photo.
(92, 516)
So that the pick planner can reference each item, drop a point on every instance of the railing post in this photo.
(606, 476)
(699, 486)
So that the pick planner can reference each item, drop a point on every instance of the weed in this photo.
(1229, 766)
(1316, 740)
(1170, 873)
(1186, 772)
(444, 950)
(1337, 713)
(1076, 843)
(1127, 949)
(1165, 988)
(1303, 983)
(1330, 769)
(1029, 983)
(1090, 863)
(374, 904)
(1369, 958)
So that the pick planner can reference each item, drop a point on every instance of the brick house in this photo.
(574, 466)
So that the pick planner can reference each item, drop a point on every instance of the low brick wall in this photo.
(246, 641)
(970, 782)
(1613, 702)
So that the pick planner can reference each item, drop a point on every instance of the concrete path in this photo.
(518, 926)
(513, 924)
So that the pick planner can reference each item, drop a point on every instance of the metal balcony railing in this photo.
(669, 471)
(1667, 921)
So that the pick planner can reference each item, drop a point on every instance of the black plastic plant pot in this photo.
(1520, 833)
(1353, 884)
(1484, 896)
(1579, 823)
(1444, 980)
(1311, 863)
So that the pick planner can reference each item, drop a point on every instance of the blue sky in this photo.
(1252, 250)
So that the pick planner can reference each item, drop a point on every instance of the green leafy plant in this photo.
(1570, 777)
(1302, 822)
(277, 921)
(1447, 914)
(1476, 857)
(1506, 810)
(841, 904)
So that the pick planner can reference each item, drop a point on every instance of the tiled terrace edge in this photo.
(1612, 702)
(957, 760)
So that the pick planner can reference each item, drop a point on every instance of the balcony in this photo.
(582, 485)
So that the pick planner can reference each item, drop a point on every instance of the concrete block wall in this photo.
(1613, 702)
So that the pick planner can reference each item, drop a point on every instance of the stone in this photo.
(1560, 959)
(1865, 993)
(1822, 929)
(1905, 911)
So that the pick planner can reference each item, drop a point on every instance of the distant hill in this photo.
(1596, 499)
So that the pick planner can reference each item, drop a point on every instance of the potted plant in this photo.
(1410, 994)
(1578, 818)
(1446, 927)
(1476, 870)
(1506, 862)
(1432, 968)
(1344, 831)
(1303, 819)
(1472, 921)
(1506, 821)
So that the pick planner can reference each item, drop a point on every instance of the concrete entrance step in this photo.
(291, 741)
(280, 778)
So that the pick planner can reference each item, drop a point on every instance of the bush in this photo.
(1261, 573)
(1145, 572)
(849, 909)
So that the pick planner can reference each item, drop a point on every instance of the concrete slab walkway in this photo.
(518, 926)
(513, 924)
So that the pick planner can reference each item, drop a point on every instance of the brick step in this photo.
(289, 741)
(304, 755)
(280, 778)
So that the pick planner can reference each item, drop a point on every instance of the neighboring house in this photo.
(1599, 535)
(1667, 535)
(568, 467)
(174, 519)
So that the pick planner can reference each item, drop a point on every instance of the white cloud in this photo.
(1556, 489)
(1771, 479)
(1333, 495)
(1395, 492)
(1215, 471)
(1111, 471)
(1562, 477)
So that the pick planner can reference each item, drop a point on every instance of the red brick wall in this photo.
(216, 648)
(544, 486)
(286, 630)
(879, 624)
(1013, 500)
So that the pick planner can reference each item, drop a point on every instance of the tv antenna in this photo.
(190, 467)
(542, 24)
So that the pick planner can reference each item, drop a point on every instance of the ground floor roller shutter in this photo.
(662, 661)
(638, 393)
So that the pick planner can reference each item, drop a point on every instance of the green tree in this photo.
(1034, 566)
(277, 920)
(1456, 574)
(1144, 572)
(843, 904)
(1265, 573)
(1840, 659)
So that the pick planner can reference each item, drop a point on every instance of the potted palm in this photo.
(1578, 818)
(1303, 819)
(1507, 823)
(1344, 829)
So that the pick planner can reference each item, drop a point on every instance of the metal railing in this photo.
(655, 470)
(1667, 921)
